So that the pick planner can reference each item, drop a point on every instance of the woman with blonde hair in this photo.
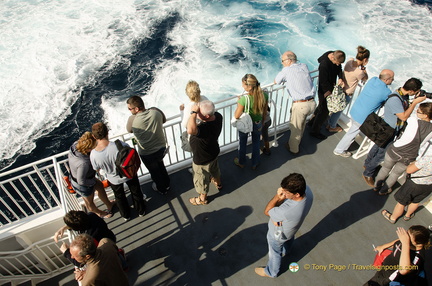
(193, 91)
(258, 111)
(82, 175)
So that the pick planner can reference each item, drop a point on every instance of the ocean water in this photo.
(65, 65)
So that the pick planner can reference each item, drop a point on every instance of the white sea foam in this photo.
(51, 49)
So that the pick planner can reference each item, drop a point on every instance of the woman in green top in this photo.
(258, 111)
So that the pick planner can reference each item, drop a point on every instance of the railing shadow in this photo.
(197, 254)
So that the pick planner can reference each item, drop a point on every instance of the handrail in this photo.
(38, 187)
(37, 261)
(34, 188)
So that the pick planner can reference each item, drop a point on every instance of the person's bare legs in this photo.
(203, 197)
(411, 209)
(397, 211)
(102, 195)
(90, 205)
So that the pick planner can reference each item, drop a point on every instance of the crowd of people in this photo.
(408, 153)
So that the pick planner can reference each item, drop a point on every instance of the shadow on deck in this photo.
(221, 243)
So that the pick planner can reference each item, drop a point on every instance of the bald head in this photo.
(387, 76)
(288, 58)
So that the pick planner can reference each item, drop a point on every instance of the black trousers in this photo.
(137, 197)
(321, 114)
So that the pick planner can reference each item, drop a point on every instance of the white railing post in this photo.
(59, 180)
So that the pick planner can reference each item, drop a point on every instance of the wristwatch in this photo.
(192, 112)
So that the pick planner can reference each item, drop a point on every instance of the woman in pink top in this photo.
(354, 72)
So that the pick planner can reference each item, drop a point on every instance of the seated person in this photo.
(407, 257)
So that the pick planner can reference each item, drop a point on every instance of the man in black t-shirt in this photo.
(205, 148)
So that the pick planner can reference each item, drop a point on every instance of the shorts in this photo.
(411, 192)
(203, 174)
(83, 191)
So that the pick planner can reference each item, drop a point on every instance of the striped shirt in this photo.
(297, 81)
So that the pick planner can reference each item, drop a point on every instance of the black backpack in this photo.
(127, 162)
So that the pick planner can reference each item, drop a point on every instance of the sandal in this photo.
(196, 201)
(387, 215)
(236, 161)
(107, 215)
(219, 187)
(407, 218)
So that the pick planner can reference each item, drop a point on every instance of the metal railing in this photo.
(36, 188)
(37, 262)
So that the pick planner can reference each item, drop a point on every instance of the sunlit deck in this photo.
(221, 243)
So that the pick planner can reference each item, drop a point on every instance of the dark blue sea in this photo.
(68, 64)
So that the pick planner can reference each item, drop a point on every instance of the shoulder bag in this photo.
(376, 129)
(336, 101)
(244, 123)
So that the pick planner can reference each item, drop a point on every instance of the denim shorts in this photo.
(84, 191)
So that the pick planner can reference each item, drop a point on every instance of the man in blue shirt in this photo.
(298, 83)
(287, 211)
(396, 111)
(370, 99)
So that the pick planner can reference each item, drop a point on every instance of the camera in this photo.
(425, 93)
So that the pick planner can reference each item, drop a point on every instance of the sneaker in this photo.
(344, 154)
(266, 151)
(160, 192)
(384, 192)
(190, 170)
(142, 214)
(127, 218)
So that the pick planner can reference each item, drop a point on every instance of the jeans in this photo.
(137, 197)
(373, 160)
(333, 120)
(256, 134)
(348, 138)
(277, 249)
(156, 167)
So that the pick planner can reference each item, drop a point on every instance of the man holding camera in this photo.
(205, 149)
(396, 111)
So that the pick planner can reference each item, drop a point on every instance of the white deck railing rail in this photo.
(37, 188)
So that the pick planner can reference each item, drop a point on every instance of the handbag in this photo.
(337, 100)
(244, 123)
(376, 129)
(184, 137)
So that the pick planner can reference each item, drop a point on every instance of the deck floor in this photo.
(221, 243)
